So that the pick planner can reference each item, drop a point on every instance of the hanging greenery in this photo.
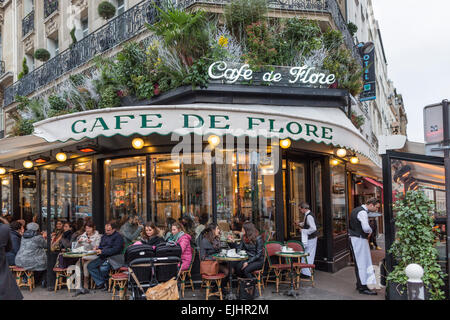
(106, 10)
(352, 28)
(25, 69)
(414, 242)
(183, 47)
(73, 36)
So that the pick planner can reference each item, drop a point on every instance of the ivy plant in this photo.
(414, 242)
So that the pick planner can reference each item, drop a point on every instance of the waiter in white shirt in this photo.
(309, 237)
(359, 232)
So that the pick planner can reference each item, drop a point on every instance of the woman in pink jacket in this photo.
(184, 240)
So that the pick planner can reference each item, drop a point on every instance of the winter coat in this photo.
(8, 286)
(130, 232)
(66, 240)
(255, 251)
(186, 251)
(31, 255)
(95, 241)
(16, 238)
(111, 245)
(207, 249)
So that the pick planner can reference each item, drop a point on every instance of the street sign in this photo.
(433, 122)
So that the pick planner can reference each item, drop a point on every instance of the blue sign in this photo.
(370, 89)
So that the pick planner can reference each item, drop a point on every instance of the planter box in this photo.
(392, 291)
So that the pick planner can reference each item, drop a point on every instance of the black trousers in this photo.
(247, 272)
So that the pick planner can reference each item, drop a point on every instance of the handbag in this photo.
(209, 267)
(247, 288)
(164, 291)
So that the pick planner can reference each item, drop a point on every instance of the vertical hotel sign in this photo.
(369, 91)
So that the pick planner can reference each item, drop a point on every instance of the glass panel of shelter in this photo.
(27, 196)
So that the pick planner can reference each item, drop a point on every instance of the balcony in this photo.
(50, 6)
(2, 68)
(132, 23)
(28, 24)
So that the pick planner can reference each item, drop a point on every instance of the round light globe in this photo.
(354, 160)
(414, 272)
(214, 140)
(28, 164)
(2, 170)
(61, 156)
(137, 143)
(341, 152)
(285, 143)
(5, 182)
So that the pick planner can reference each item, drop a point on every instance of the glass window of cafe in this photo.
(430, 178)
(177, 185)
(70, 193)
(338, 198)
(182, 186)
(5, 200)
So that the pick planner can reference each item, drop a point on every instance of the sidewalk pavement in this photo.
(328, 286)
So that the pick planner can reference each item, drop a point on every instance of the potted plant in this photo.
(352, 28)
(42, 55)
(25, 69)
(106, 10)
(414, 243)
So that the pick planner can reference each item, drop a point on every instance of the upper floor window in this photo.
(53, 46)
(120, 5)
(28, 6)
(30, 61)
(85, 26)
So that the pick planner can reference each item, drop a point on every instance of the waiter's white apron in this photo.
(310, 248)
(363, 260)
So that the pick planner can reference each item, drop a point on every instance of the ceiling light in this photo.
(341, 152)
(137, 143)
(2, 170)
(108, 161)
(5, 182)
(285, 143)
(42, 160)
(61, 156)
(87, 148)
(334, 162)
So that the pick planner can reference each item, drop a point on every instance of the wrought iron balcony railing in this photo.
(2, 68)
(28, 24)
(50, 6)
(307, 5)
(131, 23)
(116, 31)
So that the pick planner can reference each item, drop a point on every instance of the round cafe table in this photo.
(291, 255)
(79, 255)
(218, 257)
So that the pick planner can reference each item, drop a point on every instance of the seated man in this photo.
(110, 245)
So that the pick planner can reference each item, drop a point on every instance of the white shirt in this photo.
(362, 216)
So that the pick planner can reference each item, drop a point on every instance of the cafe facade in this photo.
(229, 152)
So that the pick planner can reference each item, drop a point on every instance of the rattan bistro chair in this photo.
(271, 247)
(299, 265)
(187, 273)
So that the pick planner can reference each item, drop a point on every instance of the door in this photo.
(297, 194)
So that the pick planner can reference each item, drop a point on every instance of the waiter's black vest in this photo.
(306, 226)
(355, 229)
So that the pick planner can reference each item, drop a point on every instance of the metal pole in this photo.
(416, 290)
(447, 179)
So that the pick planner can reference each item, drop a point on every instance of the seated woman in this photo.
(150, 235)
(252, 243)
(89, 240)
(169, 222)
(31, 255)
(210, 244)
(57, 235)
(184, 240)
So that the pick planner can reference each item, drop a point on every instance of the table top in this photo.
(292, 254)
(225, 258)
(77, 254)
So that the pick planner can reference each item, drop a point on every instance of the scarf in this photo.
(175, 237)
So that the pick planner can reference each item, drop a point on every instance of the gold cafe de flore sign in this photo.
(320, 125)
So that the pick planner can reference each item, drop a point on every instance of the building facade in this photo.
(105, 178)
